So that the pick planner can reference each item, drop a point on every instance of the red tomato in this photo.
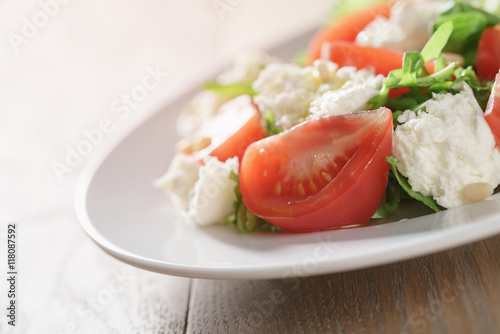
(322, 174)
(492, 113)
(238, 142)
(488, 53)
(346, 28)
(227, 135)
(381, 60)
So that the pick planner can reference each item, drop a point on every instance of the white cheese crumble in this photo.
(288, 91)
(349, 98)
(446, 147)
(179, 179)
(204, 193)
(247, 67)
(408, 28)
(212, 196)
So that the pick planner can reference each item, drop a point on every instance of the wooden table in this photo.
(65, 78)
(74, 287)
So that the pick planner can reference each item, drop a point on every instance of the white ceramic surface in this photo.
(134, 222)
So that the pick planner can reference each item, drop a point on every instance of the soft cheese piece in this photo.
(407, 29)
(447, 147)
(212, 196)
(294, 94)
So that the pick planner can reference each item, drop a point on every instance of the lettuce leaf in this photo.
(242, 218)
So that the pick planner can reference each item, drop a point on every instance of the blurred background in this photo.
(63, 65)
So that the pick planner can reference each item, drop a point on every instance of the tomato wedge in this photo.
(488, 53)
(321, 174)
(492, 112)
(236, 145)
(380, 59)
(238, 124)
(346, 28)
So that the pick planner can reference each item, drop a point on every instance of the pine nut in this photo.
(476, 192)
(324, 74)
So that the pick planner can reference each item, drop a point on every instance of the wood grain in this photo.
(77, 288)
(455, 291)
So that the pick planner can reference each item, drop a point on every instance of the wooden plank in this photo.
(454, 291)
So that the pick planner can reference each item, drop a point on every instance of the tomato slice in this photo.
(238, 124)
(492, 112)
(488, 53)
(346, 28)
(380, 59)
(236, 145)
(321, 174)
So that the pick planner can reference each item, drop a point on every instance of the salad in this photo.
(397, 101)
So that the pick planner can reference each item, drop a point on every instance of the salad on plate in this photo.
(397, 101)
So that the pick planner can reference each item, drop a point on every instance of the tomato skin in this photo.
(492, 112)
(346, 28)
(488, 54)
(237, 144)
(351, 197)
(380, 59)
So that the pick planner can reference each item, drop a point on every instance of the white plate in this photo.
(128, 218)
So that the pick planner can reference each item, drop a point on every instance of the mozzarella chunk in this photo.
(204, 193)
(179, 179)
(212, 196)
(246, 68)
(447, 147)
(351, 97)
(288, 91)
(408, 28)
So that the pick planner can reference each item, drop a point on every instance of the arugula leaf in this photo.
(468, 24)
(230, 90)
(403, 182)
(391, 201)
(271, 127)
(437, 42)
(410, 75)
(242, 218)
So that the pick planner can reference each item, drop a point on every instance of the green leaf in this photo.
(230, 90)
(271, 127)
(437, 42)
(412, 65)
(402, 103)
(391, 199)
(468, 25)
(343, 7)
(439, 64)
(403, 182)
(300, 57)
(242, 218)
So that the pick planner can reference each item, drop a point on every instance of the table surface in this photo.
(62, 75)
